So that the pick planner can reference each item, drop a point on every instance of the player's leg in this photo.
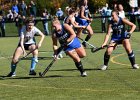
(18, 52)
(34, 59)
(90, 33)
(73, 54)
(131, 55)
(107, 54)
(81, 52)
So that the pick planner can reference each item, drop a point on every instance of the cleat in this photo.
(11, 74)
(32, 72)
(135, 66)
(84, 74)
(103, 67)
(60, 56)
(84, 44)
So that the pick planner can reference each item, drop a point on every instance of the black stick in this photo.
(93, 50)
(60, 49)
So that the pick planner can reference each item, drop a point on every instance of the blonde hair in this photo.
(55, 20)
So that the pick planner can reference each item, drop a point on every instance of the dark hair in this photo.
(116, 11)
(71, 10)
(29, 21)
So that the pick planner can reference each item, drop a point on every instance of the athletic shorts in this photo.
(116, 40)
(82, 22)
(74, 44)
(26, 46)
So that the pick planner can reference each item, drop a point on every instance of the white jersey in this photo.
(29, 35)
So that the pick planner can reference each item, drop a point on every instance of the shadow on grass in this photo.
(32, 77)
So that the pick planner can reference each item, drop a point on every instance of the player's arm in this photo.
(41, 40)
(107, 35)
(83, 16)
(54, 43)
(42, 37)
(71, 32)
(75, 24)
(22, 44)
(133, 26)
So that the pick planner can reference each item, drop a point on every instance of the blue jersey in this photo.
(63, 36)
(118, 29)
(81, 21)
(86, 12)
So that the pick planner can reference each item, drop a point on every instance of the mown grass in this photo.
(63, 81)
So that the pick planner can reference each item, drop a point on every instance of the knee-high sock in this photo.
(33, 63)
(13, 67)
(131, 57)
(79, 66)
(87, 38)
(106, 58)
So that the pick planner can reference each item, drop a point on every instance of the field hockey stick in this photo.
(87, 43)
(60, 49)
(93, 50)
(27, 54)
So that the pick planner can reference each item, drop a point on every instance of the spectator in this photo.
(20, 20)
(132, 15)
(103, 20)
(108, 13)
(15, 8)
(10, 16)
(33, 9)
(23, 8)
(138, 17)
(45, 17)
(121, 11)
(15, 15)
(59, 13)
(2, 25)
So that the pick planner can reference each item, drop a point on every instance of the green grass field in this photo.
(63, 81)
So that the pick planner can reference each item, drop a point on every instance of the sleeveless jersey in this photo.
(62, 36)
(86, 12)
(118, 28)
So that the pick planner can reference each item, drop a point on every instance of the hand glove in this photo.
(127, 35)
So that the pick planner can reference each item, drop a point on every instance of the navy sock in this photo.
(79, 66)
(131, 57)
(106, 58)
(87, 38)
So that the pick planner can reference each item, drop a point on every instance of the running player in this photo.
(27, 42)
(119, 36)
(84, 19)
(72, 47)
(70, 19)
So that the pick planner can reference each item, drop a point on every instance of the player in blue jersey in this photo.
(119, 36)
(72, 46)
(27, 42)
(84, 19)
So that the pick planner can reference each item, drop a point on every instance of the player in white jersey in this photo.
(27, 42)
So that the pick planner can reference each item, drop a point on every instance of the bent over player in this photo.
(27, 42)
(72, 46)
(119, 36)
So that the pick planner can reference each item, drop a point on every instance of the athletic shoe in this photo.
(135, 66)
(32, 72)
(60, 56)
(84, 74)
(103, 67)
(11, 74)
(84, 44)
